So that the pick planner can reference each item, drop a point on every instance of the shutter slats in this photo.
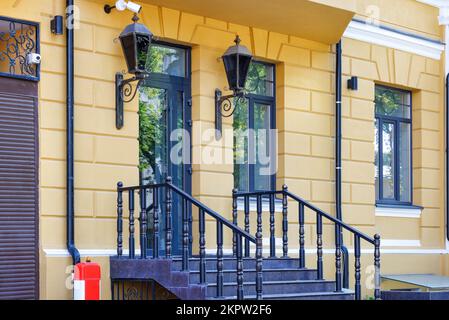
(18, 191)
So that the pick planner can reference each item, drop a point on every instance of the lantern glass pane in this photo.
(129, 51)
(230, 64)
(167, 60)
(244, 62)
(143, 44)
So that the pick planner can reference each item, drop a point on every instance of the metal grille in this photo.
(18, 39)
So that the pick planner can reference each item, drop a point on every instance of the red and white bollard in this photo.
(87, 281)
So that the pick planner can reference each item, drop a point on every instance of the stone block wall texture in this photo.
(305, 121)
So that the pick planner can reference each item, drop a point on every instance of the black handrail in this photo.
(319, 222)
(167, 188)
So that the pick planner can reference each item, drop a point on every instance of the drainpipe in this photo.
(443, 20)
(70, 138)
(338, 206)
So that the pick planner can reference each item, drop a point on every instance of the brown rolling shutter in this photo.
(18, 190)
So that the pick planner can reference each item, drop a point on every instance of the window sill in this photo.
(265, 205)
(413, 212)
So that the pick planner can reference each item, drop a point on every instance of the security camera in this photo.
(122, 5)
(34, 58)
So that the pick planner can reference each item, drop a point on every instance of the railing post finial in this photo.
(234, 220)
(377, 267)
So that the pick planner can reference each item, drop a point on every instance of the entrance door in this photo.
(164, 132)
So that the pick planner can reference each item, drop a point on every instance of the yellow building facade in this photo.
(304, 59)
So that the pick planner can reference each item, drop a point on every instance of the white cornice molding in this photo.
(435, 3)
(443, 5)
(385, 37)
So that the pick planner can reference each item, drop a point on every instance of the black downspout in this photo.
(338, 137)
(70, 135)
(447, 157)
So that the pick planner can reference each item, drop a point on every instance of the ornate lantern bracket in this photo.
(125, 92)
(224, 108)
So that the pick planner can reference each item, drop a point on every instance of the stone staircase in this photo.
(244, 274)
(282, 279)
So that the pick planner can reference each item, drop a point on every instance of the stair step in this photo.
(230, 262)
(250, 274)
(345, 295)
(275, 287)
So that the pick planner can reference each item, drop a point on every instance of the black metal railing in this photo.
(285, 195)
(162, 205)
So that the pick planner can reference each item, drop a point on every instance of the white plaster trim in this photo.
(57, 253)
(400, 243)
(388, 38)
(393, 212)
(86, 252)
(253, 205)
(434, 3)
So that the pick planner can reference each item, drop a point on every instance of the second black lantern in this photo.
(236, 60)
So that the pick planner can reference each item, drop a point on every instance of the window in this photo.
(393, 146)
(254, 117)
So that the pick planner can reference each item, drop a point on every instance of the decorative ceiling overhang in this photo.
(319, 20)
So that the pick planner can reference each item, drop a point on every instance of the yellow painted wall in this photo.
(305, 108)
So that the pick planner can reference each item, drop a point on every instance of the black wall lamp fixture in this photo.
(57, 25)
(236, 62)
(353, 83)
(135, 41)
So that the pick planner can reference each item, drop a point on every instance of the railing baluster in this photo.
(168, 218)
(143, 223)
(202, 229)
(247, 228)
(357, 265)
(131, 224)
(272, 228)
(234, 221)
(377, 267)
(239, 268)
(219, 259)
(156, 223)
(185, 235)
(302, 251)
(259, 275)
(338, 235)
(319, 244)
(119, 219)
(284, 222)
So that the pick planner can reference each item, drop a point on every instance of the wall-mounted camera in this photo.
(122, 5)
(34, 58)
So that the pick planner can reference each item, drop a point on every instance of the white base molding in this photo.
(293, 252)
(400, 243)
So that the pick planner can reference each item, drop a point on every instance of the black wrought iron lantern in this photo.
(236, 60)
(135, 40)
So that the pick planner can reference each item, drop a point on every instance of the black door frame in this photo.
(173, 84)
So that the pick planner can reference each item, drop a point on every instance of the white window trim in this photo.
(373, 34)
(397, 212)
